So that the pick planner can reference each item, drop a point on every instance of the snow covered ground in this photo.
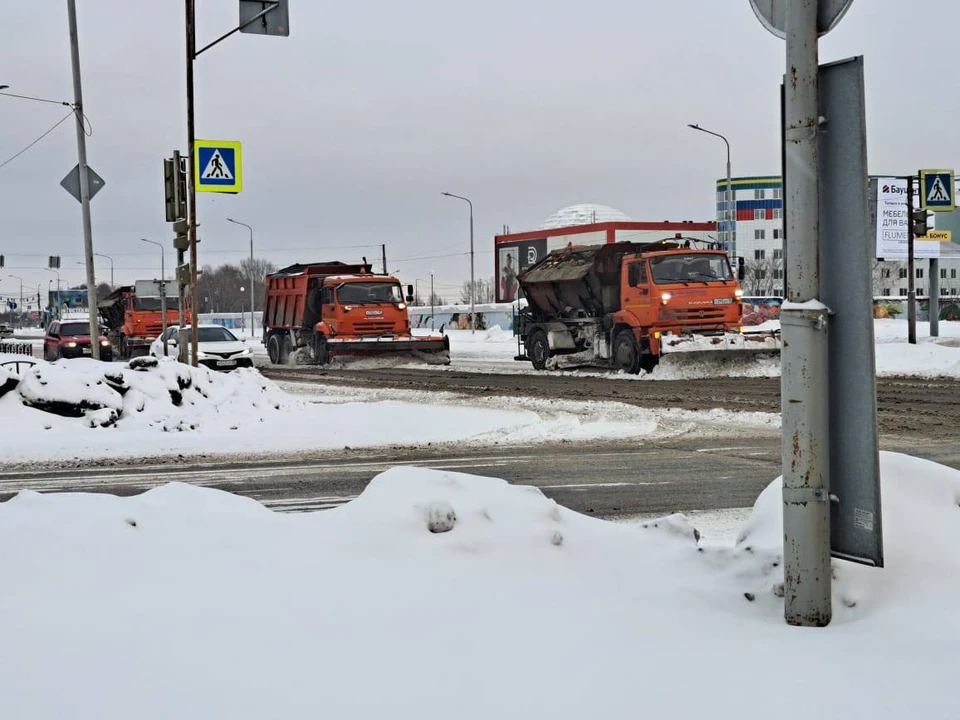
(436, 593)
(83, 409)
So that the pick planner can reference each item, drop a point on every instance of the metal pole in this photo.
(473, 282)
(111, 265)
(431, 300)
(84, 180)
(934, 297)
(731, 210)
(803, 318)
(191, 186)
(383, 249)
(473, 289)
(911, 271)
(163, 293)
(236, 222)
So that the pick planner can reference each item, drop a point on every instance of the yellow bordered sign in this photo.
(218, 166)
(936, 190)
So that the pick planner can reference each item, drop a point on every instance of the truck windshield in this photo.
(148, 304)
(690, 267)
(362, 293)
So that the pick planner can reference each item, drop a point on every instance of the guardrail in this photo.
(16, 348)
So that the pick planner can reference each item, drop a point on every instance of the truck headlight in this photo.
(401, 306)
(738, 293)
(665, 297)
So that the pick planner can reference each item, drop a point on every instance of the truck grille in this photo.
(373, 327)
(700, 315)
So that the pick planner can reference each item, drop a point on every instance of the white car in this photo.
(217, 347)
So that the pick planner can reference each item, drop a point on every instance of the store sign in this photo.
(893, 220)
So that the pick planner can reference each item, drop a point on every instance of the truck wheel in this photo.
(321, 353)
(273, 349)
(286, 347)
(625, 352)
(539, 350)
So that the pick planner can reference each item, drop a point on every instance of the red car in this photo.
(71, 339)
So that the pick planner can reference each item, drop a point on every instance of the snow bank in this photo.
(465, 595)
(86, 409)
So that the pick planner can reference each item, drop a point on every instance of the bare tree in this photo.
(483, 291)
(763, 277)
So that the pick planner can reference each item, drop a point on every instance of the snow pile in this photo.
(437, 589)
(146, 393)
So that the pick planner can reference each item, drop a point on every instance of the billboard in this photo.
(893, 220)
(70, 299)
(511, 258)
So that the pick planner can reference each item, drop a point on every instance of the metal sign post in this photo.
(804, 317)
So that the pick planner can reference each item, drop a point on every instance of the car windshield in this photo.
(205, 334)
(153, 303)
(360, 293)
(75, 329)
(690, 268)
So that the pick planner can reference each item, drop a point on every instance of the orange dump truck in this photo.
(320, 311)
(133, 316)
(624, 305)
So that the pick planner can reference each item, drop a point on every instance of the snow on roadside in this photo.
(443, 590)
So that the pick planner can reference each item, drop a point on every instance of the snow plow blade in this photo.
(430, 350)
(747, 343)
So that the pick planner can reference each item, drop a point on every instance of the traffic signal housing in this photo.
(920, 223)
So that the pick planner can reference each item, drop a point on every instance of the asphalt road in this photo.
(609, 480)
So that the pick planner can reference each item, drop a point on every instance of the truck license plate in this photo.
(226, 363)
(723, 301)
(374, 312)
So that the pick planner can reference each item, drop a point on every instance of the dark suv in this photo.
(71, 339)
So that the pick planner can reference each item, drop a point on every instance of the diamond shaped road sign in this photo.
(71, 183)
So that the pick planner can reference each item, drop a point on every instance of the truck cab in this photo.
(362, 307)
(678, 292)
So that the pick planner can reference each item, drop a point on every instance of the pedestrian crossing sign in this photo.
(217, 166)
(936, 190)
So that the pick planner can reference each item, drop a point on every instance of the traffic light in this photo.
(53, 262)
(174, 188)
(181, 240)
(920, 223)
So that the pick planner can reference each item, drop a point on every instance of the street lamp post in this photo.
(55, 272)
(473, 288)
(19, 307)
(730, 211)
(432, 323)
(163, 292)
(236, 222)
(111, 266)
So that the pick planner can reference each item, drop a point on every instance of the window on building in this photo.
(778, 213)
(943, 273)
(759, 254)
(759, 194)
(778, 194)
(903, 292)
(759, 214)
(903, 273)
(953, 273)
(759, 234)
(919, 273)
(886, 273)
(943, 291)
(777, 234)
(777, 253)
(778, 291)
(886, 292)
(778, 274)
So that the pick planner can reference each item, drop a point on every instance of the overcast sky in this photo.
(353, 125)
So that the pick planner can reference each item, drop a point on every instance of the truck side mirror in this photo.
(410, 290)
(741, 269)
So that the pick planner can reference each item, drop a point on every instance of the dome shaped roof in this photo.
(583, 214)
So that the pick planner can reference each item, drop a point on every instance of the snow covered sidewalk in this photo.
(436, 593)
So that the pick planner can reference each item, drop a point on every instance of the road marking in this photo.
(578, 486)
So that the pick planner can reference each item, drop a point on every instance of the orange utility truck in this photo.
(624, 305)
(133, 316)
(319, 311)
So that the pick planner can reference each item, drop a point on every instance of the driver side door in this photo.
(637, 295)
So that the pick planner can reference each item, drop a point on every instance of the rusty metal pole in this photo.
(803, 318)
(911, 270)
(191, 191)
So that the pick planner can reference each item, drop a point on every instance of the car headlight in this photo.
(70, 344)
(104, 343)
(201, 355)
(246, 351)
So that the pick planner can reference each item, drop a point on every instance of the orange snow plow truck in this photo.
(317, 312)
(624, 305)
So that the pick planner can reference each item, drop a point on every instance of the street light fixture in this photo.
(730, 211)
(163, 291)
(111, 266)
(237, 222)
(473, 288)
